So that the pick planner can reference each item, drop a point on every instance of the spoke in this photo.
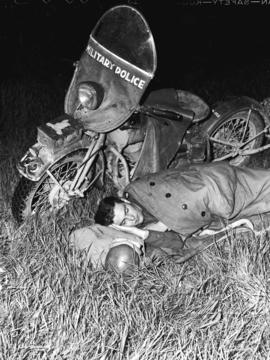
(237, 129)
(221, 142)
(234, 129)
(236, 138)
(230, 128)
(41, 203)
(64, 172)
(242, 132)
(68, 173)
(44, 189)
(225, 157)
(231, 134)
(246, 124)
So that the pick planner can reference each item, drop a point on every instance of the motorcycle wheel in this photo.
(31, 197)
(234, 130)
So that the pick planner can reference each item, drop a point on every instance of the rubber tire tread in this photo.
(21, 194)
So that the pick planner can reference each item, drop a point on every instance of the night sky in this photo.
(194, 40)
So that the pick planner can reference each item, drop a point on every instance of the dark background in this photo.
(214, 48)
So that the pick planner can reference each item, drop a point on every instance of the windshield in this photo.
(134, 43)
(118, 63)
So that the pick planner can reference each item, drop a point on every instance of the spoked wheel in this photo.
(46, 195)
(237, 131)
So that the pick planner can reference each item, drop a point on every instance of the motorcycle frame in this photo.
(96, 143)
(96, 146)
(90, 156)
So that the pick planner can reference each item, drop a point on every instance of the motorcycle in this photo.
(106, 133)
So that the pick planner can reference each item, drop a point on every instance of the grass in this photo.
(53, 305)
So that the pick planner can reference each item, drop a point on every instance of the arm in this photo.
(132, 230)
(157, 239)
(180, 254)
(195, 244)
(156, 226)
(168, 239)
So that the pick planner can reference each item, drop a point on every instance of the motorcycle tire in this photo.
(31, 197)
(233, 129)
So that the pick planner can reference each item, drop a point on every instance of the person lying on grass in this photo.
(123, 248)
(193, 201)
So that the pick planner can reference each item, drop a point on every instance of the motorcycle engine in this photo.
(197, 144)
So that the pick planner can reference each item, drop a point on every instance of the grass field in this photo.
(54, 306)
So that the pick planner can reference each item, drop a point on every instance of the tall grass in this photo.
(53, 305)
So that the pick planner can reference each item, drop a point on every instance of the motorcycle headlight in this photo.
(87, 96)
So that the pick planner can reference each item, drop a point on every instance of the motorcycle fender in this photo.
(226, 108)
(39, 158)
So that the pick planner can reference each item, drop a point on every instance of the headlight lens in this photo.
(87, 96)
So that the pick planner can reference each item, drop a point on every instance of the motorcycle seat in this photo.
(188, 100)
(180, 102)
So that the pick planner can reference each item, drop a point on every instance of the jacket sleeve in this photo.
(167, 239)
